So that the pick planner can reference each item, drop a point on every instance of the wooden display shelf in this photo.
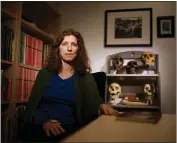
(7, 15)
(140, 106)
(134, 75)
(29, 67)
(36, 32)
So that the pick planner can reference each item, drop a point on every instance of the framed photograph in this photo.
(128, 28)
(165, 26)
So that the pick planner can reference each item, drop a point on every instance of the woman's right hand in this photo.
(52, 127)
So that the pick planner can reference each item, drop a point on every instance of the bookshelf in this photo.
(36, 32)
(7, 15)
(12, 15)
(27, 66)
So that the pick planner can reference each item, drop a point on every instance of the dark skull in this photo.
(117, 62)
(131, 67)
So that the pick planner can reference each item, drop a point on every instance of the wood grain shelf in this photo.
(36, 32)
(29, 67)
(7, 15)
(133, 106)
(134, 75)
(21, 101)
(6, 62)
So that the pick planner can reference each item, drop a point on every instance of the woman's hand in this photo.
(52, 127)
(108, 110)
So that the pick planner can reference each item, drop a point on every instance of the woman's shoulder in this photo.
(45, 71)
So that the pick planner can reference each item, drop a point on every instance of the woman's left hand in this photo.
(108, 110)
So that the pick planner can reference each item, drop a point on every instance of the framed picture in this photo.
(165, 26)
(128, 28)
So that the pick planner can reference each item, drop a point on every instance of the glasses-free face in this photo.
(68, 48)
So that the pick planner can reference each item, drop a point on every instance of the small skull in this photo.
(131, 67)
(148, 58)
(115, 91)
(117, 63)
(148, 91)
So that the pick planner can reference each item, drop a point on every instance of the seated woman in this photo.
(64, 96)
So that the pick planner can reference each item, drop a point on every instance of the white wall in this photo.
(88, 18)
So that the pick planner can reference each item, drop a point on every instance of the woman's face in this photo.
(68, 48)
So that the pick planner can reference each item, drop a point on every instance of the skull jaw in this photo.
(149, 63)
(115, 101)
(131, 70)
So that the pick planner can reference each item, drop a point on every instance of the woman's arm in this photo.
(40, 83)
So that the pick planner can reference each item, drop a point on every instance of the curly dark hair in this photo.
(81, 62)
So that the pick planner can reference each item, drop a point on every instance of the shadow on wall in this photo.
(104, 68)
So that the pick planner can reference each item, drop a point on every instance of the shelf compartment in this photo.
(132, 80)
(36, 32)
(7, 15)
(125, 108)
(29, 67)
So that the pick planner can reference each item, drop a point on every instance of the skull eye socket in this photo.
(129, 63)
(111, 88)
(121, 59)
(134, 63)
(151, 55)
(145, 55)
(116, 88)
(147, 88)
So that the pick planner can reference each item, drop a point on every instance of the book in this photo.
(146, 117)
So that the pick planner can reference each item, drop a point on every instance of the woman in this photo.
(64, 96)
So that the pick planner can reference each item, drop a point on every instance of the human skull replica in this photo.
(148, 58)
(131, 67)
(117, 63)
(148, 91)
(115, 93)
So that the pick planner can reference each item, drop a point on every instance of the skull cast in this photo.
(117, 63)
(132, 67)
(148, 58)
(149, 94)
(115, 92)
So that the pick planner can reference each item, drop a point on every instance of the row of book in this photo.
(26, 74)
(7, 36)
(46, 53)
(30, 50)
(31, 41)
(6, 88)
(25, 81)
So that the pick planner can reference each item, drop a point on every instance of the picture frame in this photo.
(165, 26)
(128, 28)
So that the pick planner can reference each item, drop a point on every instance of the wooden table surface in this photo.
(107, 129)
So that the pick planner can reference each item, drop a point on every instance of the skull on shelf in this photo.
(149, 93)
(117, 63)
(131, 67)
(115, 92)
(148, 58)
